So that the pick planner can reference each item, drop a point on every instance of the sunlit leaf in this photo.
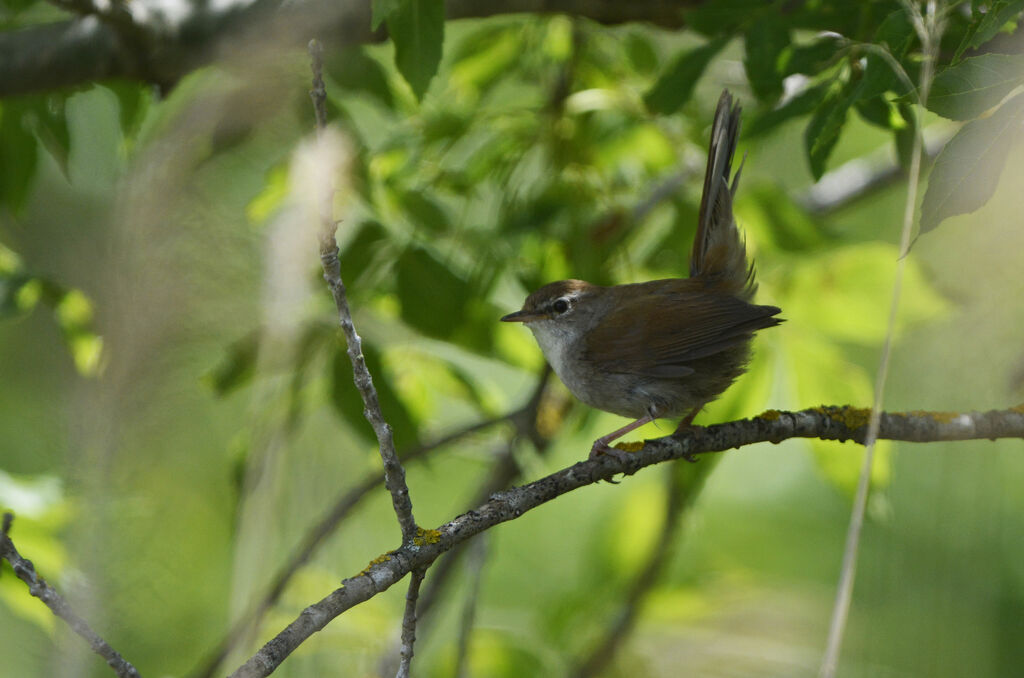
(824, 375)
(974, 85)
(844, 294)
(967, 170)
(985, 25)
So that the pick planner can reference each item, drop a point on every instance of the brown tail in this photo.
(719, 251)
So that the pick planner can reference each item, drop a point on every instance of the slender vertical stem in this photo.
(929, 31)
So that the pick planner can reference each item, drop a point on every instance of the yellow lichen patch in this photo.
(1019, 409)
(424, 537)
(851, 417)
(376, 561)
(941, 417)
(630, 447)
(770, 415)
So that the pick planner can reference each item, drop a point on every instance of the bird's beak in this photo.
(523, 316)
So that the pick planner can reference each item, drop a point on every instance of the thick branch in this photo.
(37, 586)
(828, 423)
(42, 58)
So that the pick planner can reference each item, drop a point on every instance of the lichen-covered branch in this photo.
(828, 423)
(38, 587)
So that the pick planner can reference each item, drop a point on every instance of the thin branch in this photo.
(317, 535)
(409, 623)
(394, 473)
(38, 587)
(827, 423)
(682, 491)
(929, 31)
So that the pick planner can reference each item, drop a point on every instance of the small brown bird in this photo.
(663, 348)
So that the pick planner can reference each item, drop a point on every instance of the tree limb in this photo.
(827, 423)
(86, 49)
(38, 587)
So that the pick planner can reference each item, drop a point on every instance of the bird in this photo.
(662, 348)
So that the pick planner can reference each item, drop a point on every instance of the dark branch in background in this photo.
(827, 423)
(37, 586)
(315, 538)
(87, 49)
(394, 473)
(862, 178)
(677, 502)
(474, 571)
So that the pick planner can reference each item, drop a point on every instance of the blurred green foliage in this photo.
(490, 157)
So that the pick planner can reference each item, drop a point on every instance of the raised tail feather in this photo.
(719, 251)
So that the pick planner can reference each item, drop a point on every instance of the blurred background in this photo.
(176, 407)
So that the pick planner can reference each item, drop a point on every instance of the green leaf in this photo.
(905, 134)
(381, 10)
(974, 85)
(675, 86)
(417, 29)
(827, 123)
(133, 100)
(363, 250)
(348, 403)
(764, 42)
(434, 300)
(52, 128)
(812, 58)
(423, 211)
(722, 16)
(799, 105)
(237, 367)
(876, 110)
(354, 70)
(967, 170)
(18, 159)
(980, 31)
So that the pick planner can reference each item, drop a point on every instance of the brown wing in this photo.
(691, 324)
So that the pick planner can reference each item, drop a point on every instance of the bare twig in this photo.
(682, 491)
(474, 569)
(394, 473)
(827, 423)
(38, 587)
(409, 623)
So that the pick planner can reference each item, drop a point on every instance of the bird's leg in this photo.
(601, 444)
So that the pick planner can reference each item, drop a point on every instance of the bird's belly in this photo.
(628, 395)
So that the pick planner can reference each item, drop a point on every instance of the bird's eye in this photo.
(560, 305)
